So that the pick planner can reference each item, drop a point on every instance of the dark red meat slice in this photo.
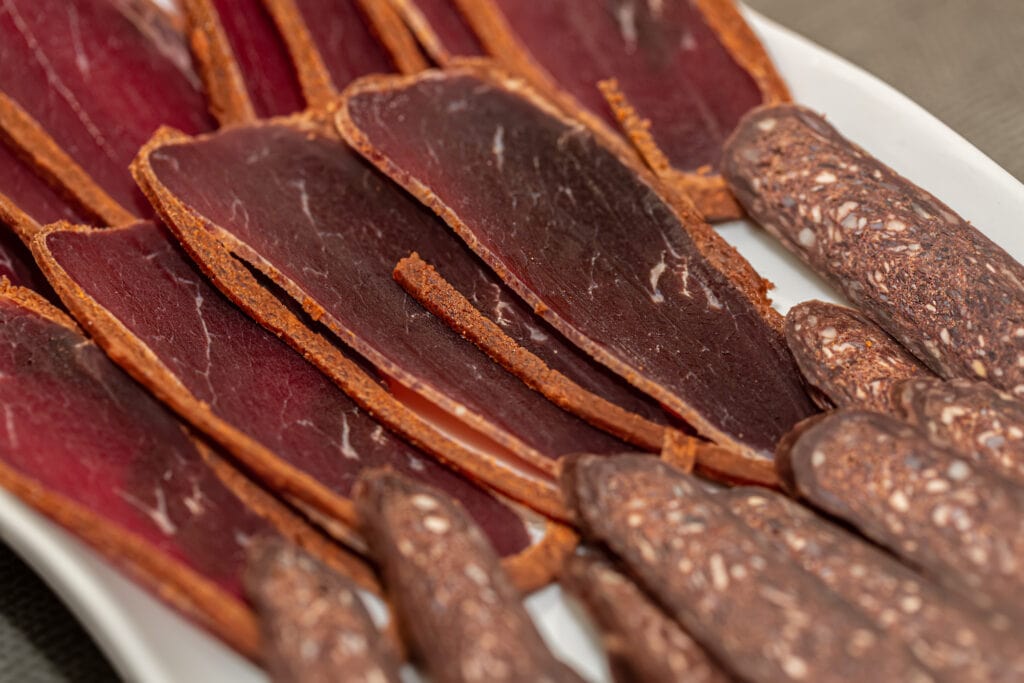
(585, 239)
(241, 384)
(16, 263)
(329, 228)
(345, 39)
(529, 348)
(692, 69)
(440, 28)
(261, 56)
(96, 83)
(87, 445)
(26, 198)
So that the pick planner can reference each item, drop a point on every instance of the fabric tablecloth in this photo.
(960, 59)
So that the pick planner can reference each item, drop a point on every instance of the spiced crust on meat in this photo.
(723, 256)
(732, 590)
(215, 257)
(444, 578)
(375, 89)
(223, 82)
(314, 627)
(185, 589)
(959, 525)
(27, 137)
(947, 634)
(641, 641)
(847, 357)
(709, 191)
(946, 292)
(422, 281)
(971, 417)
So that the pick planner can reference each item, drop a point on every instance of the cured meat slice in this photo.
(243, 60)
(847, 357)
(642, 642)
(44, 177)
(26, 200)
(72, 67)
(440, 28)
(17, 265)
(443, 578)
(331, 43)
(730, 588)
(248, 390)
(950, 295)
(334, 42)
(313, 624)
(328, 228)
(88, 447)
(584, 239)
(554, 373)
(970, 417)
(961, 526)
(946, 633)
(466, 451)
(682, 75)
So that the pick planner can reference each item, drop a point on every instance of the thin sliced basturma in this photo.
(540, 358)
(239, 383)
(970, 417)
(26, 200)
(87, 446)
(847, 357)
(461, 615)
(314, 627)
(642, 642)
(475, 456)
(243, 60)
(730, 588)
(331, 44)
(440, 28)
(946, 633)
(684, 74)
(18, 266)
(328, 228)
(946, 292)
(961, 526)
(96, 83)
(585, 239)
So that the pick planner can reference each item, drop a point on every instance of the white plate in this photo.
(148, 642)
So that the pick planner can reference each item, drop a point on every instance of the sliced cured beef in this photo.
(26, 200)
(847, 357)
(642, 642)
(88, 447)
(248, 390)
(96, 83)
(540, 357)
(334, 42)
(461, 615)
(948, 294)
(440, 28)
(328, 228)
(961, 526)
(684, 74)
(243, 60)
(584, 238)
(313, 625)
(970, 417)
(731, 589)
(17, 264)
(946, 633)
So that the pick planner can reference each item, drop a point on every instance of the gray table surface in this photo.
(960, 59)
